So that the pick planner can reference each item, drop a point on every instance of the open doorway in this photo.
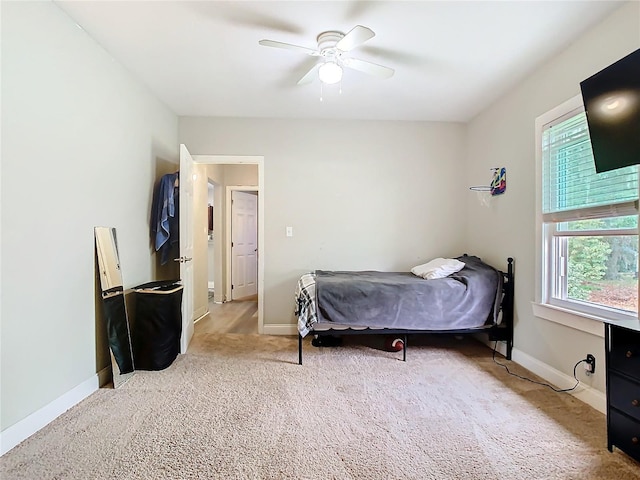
(237, 313)
(234, 300)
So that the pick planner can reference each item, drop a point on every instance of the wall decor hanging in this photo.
(497, 186)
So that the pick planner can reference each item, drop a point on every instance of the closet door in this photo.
(244, 244)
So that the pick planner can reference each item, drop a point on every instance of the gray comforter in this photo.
(400, 300)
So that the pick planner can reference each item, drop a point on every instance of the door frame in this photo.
(228, 212)
(246, 160)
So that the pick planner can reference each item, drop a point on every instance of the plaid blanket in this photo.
(305, 296)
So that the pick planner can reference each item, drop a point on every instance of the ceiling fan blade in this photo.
(288, 46)
(310, 75)
(357, 36)
(368, 67)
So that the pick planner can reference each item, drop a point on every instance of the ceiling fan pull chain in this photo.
(321, 83)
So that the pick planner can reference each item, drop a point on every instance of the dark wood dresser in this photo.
(622, 355)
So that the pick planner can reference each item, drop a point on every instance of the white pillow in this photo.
(438, 268)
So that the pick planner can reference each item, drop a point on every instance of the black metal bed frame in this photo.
(500, 333)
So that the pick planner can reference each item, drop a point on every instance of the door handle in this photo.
(183, 259)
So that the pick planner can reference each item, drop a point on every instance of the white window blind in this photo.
(571, 188)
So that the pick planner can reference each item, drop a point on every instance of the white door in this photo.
(186, 245)
(244, 244)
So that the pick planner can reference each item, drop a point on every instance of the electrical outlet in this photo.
(590, 364)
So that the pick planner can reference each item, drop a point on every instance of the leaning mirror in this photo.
(113, 305)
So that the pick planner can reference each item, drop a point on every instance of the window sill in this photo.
(570, 318)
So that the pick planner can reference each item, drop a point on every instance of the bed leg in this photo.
(509, 349)
(299, 349)
(404, 349)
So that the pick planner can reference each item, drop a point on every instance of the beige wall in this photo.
(215, 173)
(241, 175)
(97, 140)
(358, 194)
(504, 135)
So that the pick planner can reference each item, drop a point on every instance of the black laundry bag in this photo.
(158, 324)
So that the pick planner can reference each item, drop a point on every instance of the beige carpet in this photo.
(240, 407)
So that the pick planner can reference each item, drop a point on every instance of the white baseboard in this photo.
(584, 393)
(201, 312)
(210, 285)
(22, 430)
(280, 329)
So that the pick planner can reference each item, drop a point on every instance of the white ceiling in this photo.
(452, 58)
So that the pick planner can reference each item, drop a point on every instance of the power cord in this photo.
(495, 345)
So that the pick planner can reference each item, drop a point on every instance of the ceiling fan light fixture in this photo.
(330, 73)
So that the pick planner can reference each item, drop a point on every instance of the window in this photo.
(589, 222)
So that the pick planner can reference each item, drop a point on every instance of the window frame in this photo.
(583, 316)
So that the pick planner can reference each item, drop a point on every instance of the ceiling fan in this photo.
(333, 48)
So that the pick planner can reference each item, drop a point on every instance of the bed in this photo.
(476, 299)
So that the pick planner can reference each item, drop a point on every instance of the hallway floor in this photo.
(237, 316)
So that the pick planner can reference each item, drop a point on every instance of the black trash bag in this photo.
(158, 324)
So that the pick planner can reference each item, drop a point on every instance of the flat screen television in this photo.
(612, 100)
